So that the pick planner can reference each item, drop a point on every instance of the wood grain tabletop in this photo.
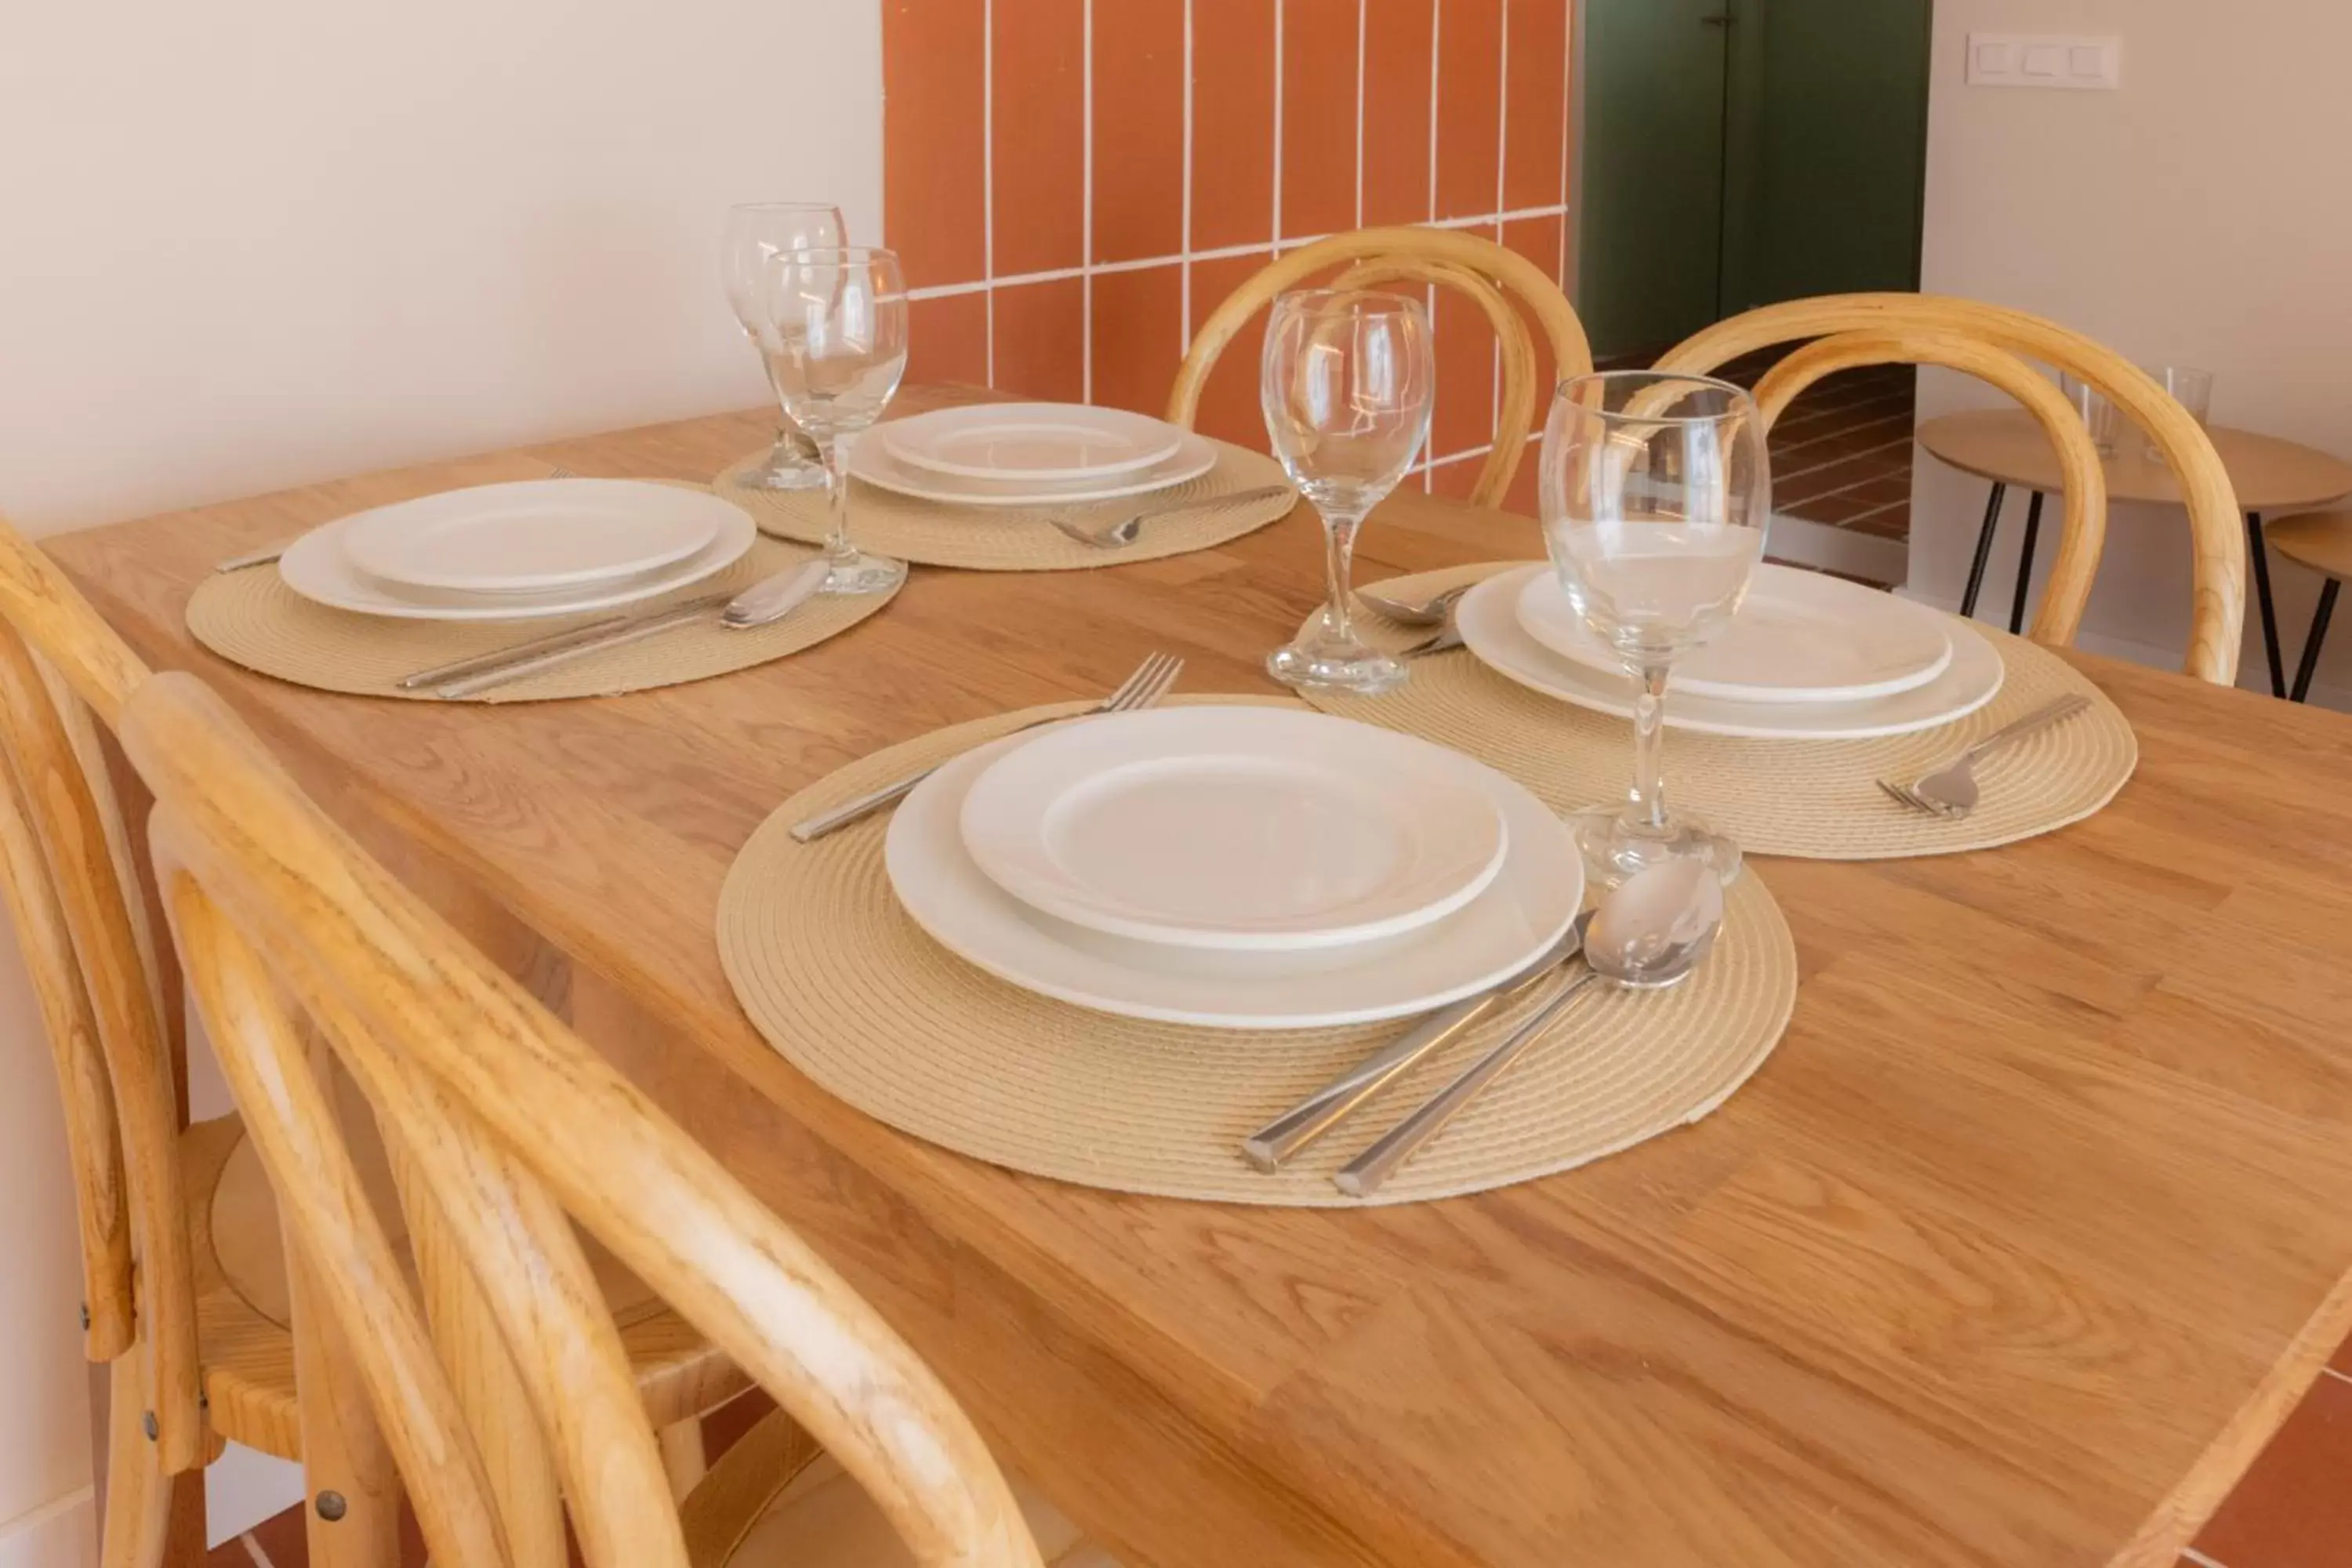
(2032, 1231)
(2268, 473)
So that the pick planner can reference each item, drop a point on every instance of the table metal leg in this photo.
(1984, 549)
(2025, 564)
(2318, 635)
(2259, 555)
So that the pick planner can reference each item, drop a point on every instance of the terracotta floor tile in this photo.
(2294, 1509)
(1886, 522)
(283, 1537)
(1836, 509)
(231, 1553)
(1831, 477)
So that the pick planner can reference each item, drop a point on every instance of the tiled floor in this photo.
(1842, 452)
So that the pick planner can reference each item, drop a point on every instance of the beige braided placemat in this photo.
(855, 994)
(251, 617)
(1813, 799)
(1019, 538)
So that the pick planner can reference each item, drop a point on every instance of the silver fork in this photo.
(1149, 683)
(1119, 534)
(1951, 790)
(270, 553)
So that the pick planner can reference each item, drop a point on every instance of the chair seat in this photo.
(775, 1501)
(243, 1335)
(2319, 539)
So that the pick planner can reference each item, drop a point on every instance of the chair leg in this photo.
(2259, 554)
(1984, 550)
(682, 1455)
(2025, 565)
(138, 1493)
(2318, 634)
(350, 1514)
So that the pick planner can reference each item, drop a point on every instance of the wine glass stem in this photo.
(1649, 747)
(1339, 554)
(833, 451)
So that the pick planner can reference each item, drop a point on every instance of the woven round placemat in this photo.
(1811, 799)
(251, 617)
(1019, 538)
(853, 993)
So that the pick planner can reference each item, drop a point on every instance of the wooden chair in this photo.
(185, 1285)
(2217, 543)
(1386, 257)
(512, 1388)
(2320, 541)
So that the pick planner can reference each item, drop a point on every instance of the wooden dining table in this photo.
(2032, 1231)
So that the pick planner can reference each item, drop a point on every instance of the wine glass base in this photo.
(1618, 846)
(854, 573)
(1335, 667)
(787, 468)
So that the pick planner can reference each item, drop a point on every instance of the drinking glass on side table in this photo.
(756, 233)
(2191, 387)
(1654, 493)
(1345, 386)
(833, 325)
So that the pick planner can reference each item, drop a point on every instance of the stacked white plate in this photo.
(1806, 657)
(1237, 866)
(1028, 454)
(518, 552)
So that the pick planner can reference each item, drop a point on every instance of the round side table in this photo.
(2006, 447)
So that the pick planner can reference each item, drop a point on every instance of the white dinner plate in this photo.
(1049, 442)
(1487, 617)
(1243, 828)
(872, 461)
(1523, 911)
(316, 567)
(1799, 637)
(534, 536)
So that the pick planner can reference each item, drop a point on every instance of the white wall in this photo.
(2200, 215)
(257, 243)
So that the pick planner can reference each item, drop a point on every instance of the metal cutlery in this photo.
(1951, 789)
(1447, 637)
(764, 603)
(1292, 1131)
(1148, 683)
(1432, 612)
(1123, 532)
(1647, 934)
(270, 553)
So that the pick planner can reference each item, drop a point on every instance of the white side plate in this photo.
(871, 461)
(1799, 636)
(1522, 913)
(1236, 827)
(316, 567)
(1052, 442)
(1487, 617)
(535, 536)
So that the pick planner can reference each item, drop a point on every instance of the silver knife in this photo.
(475, 663)
(1293, 1130)
(769, 600)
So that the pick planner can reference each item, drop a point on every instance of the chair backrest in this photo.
(2217, 539)
(502, 1124)
(1489, 275)
(82, 918)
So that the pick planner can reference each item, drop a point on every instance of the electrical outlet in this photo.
(2027, 60)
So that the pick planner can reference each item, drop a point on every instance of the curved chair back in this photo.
(503, 1125)
(2216, 537)
(82, 917)
(1487, 273)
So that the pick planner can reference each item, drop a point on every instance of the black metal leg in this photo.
(2025, 565)
(1984, 550)
(2260, 554)
(2311, 643)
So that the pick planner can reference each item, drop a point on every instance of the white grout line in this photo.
(2191, 1554)
(988, 181)
(1086, 210)
(1362, 24)
(252, 1550)
(1277, 230)
(1502, 160)
(1184, 235)
(2338, 1376)
(1848, 457)
(1567, 120)
(1437, 45)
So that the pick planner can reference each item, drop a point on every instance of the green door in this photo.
(1649, 175)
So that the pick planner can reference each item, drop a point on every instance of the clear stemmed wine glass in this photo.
(756, 232)
(833, 323)
(1654, 491)
(1345, 384)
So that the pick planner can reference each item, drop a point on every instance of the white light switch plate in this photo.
(2033, 59)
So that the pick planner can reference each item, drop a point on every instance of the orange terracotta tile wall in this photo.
(1075, 184)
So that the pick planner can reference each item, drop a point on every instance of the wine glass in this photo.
(1654, 491)
(832, 322)
(1345, 384)
(755, 232)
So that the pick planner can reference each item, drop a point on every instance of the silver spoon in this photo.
(1429, 613)
(1647, 934)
